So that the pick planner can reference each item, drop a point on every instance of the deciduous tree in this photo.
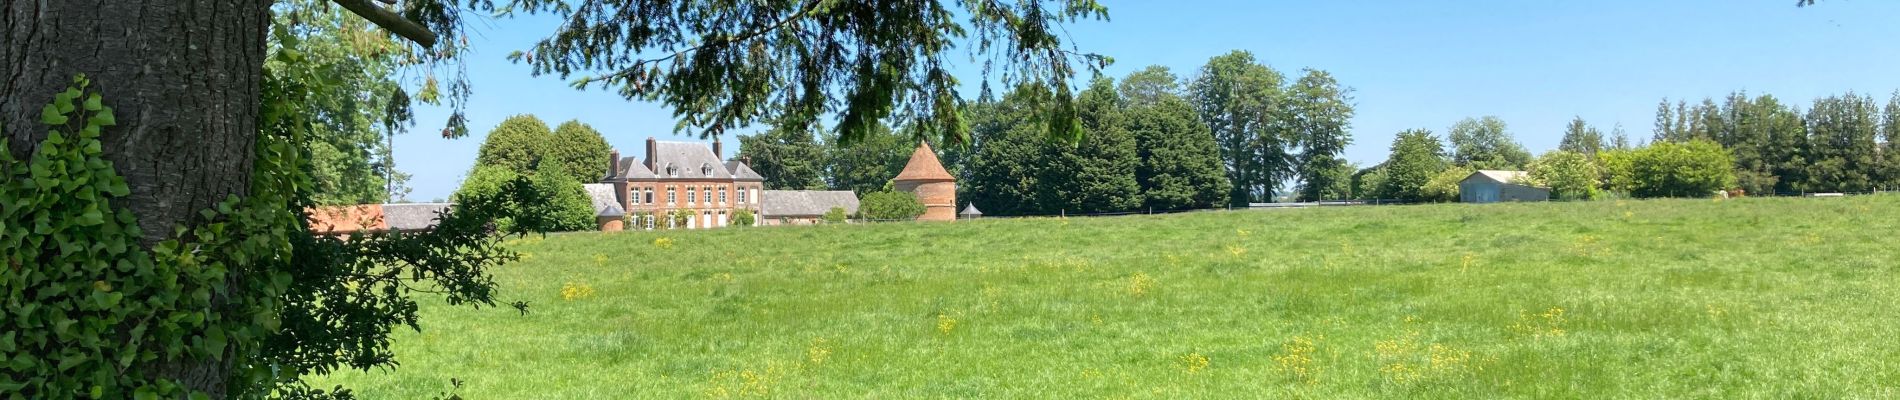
(1321, 114)
(518, 143)
(1486, 143)
(1242, 103)
(788, 156)
(579, 150)
(870, 163)
(1417, 156)
(361, 104)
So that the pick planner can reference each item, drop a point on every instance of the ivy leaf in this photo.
(93, 102)
(103, 118)
(71, 360)
(91, 216)
(214, 342)
(64, 100)
(51, 116)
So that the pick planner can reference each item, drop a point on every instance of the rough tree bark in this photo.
(183, 78)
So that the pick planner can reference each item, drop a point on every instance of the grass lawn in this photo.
(1748, 298)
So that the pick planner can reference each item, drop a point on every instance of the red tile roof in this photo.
(333, 220)
(924, 166)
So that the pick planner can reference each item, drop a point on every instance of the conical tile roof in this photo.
(924, 166)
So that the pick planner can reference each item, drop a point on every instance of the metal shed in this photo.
(1489, 186)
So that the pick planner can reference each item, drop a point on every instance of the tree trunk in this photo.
(183, 79)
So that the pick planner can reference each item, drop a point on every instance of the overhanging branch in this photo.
(389, 21)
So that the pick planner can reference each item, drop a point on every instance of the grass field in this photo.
(1749, 298)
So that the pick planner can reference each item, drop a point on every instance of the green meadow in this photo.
(1746, 298)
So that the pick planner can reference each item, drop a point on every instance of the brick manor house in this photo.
(678, 176)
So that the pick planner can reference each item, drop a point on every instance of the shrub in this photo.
(567, 206)
(1569, 175)
(890, 206)
(1619, 171)
(1367, 184)
(743, 217)
(837, 215)
(681, 217)
(1673, 169)
(557, 202)
(488, 180)
(1443, 187)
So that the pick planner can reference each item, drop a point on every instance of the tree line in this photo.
(1841, 143)
(1238, 131)
(1760, 145)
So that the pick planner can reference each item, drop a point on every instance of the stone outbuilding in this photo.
(803, 207)
(1488, 186)
(925, 177)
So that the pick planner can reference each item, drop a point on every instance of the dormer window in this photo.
(705, 169)
(672, 171)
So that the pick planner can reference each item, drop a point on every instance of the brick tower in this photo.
(933, 186)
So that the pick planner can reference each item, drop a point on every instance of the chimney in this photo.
(745, 159)
(717, 154)
(653, 149)
(613, 163)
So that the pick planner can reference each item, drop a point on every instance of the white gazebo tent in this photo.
(970, 212)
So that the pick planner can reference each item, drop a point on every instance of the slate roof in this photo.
(805, 203)
(1499, 176)
(413, 216)
(689, 160)
(632, 168)
(605, 203)
(742, 172)
(923, 166)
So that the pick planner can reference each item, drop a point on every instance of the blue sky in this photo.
(1412, 64)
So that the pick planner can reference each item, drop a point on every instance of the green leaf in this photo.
(71, 360)
(64, 100)
(93, 102)
(103, 118)
(51, 116)
(91, 216)
(214, 342)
